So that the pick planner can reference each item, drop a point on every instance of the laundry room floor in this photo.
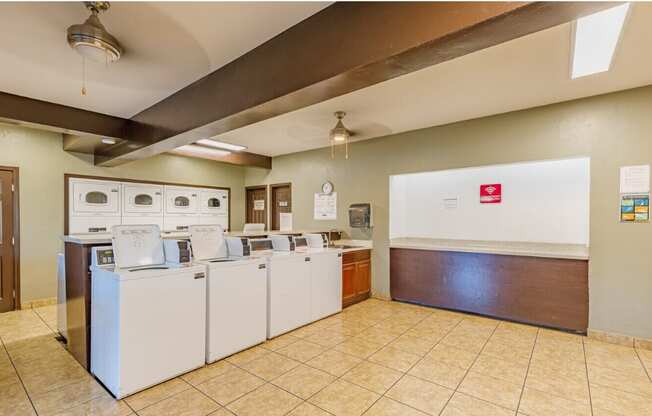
(375, 358)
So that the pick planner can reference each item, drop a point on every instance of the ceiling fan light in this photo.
(339, 133)
(91, 40)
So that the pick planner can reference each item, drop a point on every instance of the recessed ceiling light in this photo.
(596, 38)
(221, 145)
(108, 140)
(201, 150)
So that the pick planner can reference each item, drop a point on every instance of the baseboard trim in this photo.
(619, 339)
(37, 303)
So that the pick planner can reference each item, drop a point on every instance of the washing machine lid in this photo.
(137, 245)
(207, 241)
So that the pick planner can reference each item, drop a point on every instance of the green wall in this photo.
(42, 163)
(613, 129)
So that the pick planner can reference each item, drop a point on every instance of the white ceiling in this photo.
(168, 46)
(527, 72)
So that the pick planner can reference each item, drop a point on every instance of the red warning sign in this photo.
(491, 194)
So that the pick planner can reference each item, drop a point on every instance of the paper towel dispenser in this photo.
(360, 216)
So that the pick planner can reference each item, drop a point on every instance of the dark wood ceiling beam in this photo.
(60, 118)
(343, 48)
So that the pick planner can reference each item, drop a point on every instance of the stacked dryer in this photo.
(94, 206)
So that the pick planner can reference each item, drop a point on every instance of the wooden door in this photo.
(257, 205)
(7, 260)
(281, 203)
(348, 283)
(363, 277)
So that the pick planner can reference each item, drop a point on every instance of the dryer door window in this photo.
(143, 200)
(181, 201)
(96, 198)
(214, 201)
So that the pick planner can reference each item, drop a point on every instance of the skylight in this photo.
(596, 38)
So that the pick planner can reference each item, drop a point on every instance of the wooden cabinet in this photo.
(356, 277)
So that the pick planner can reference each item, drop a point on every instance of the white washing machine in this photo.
(236, 294)
(326, 282)
(288, 287)
(148, 318)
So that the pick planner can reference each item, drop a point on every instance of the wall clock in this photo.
(327, 187)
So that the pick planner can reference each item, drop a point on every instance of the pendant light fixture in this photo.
(92, 41)
(340, 135)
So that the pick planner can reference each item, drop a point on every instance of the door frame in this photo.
(271, 200)
(16, 225)
(253, 188)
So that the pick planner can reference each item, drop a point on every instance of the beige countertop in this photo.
(356, 245)
(513, 248)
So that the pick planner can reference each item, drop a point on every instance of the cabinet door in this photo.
(362, 277)
(348, 282)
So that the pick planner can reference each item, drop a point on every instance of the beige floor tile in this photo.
(187, 403)
(67, 397)
(156, 394)
(452, 356)
(358, 347)
(395, 358)
(419, 394)
(538, 403)
(334, 362)
(567, 384)
(267, 400)
(620, 402)
(632, 383)
(613, 356)
(428, 334)
(14, 400)
(646, 358)
(230, 386)
(342, 398)
(413, 345)
(207, 372)
(327, 338)
(389, 407)
(507, 351)
(463, 405)
(280, 342)
(247, 355)
(563, 358)
(307, 409)
(438, 372)
(306, 331)
(350, 327)
(551, 335)
(513, 371)
(465, 341)
(302, 350)
(377, 336)
(394, 326)
(373, 377)
(304, 381)
(270, 366)
(37, 382)
(48, 346)
(103, 406)
(491, 389)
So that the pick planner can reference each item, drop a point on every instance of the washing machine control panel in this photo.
(102, 256)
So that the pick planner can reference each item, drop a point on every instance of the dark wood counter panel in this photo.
(543, 291)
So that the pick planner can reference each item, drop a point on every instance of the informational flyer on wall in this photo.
(635, 207)
(259, 205)
(326, 206)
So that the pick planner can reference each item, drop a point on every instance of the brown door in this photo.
(281, 203)
(363, 277)
(7, 260)
(348, 283)
(257, 205)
